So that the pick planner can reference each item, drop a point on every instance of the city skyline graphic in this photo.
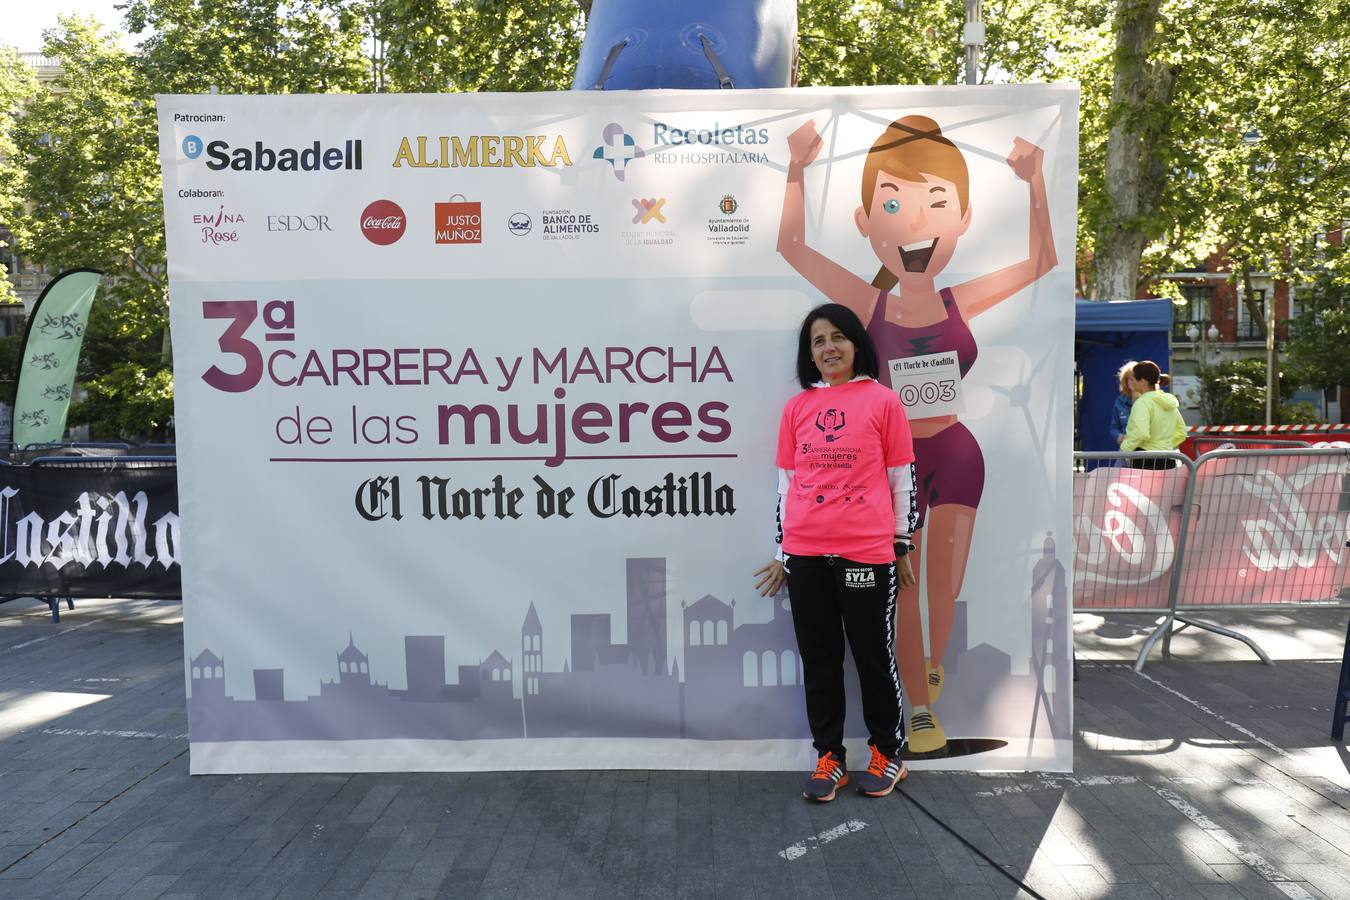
(736, 681)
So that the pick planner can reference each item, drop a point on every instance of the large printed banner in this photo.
(477, 401)
(72, 531)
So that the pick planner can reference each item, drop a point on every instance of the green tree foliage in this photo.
(1204, 127)
(1233, 392)
(879, 42)
(251, 46)
(93, 198)
(17, 84)
(433, 46)
(1318, 339)
(129, 400)
(90, 165)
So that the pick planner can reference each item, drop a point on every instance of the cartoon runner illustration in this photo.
(915, 207)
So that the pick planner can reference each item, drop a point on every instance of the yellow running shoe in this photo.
(925, 733)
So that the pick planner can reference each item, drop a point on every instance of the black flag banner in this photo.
(89, 532)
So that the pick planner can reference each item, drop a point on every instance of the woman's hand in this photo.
(804, 144)
(1025, 159)
(905, 571)
(771, 577)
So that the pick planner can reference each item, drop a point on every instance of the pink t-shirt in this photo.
(840, 441)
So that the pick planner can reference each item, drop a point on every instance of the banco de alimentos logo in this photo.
(618, 148)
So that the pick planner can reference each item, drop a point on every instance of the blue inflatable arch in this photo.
(639, 44)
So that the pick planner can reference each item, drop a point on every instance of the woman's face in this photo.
(913, 225)
(831, 351)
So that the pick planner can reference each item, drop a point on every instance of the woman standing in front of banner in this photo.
(846, 512)
(915, 207)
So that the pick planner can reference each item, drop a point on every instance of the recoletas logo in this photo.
(258, 157)
(618, 148)
(383, 222)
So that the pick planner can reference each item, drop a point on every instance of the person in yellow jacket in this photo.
(1155, 422)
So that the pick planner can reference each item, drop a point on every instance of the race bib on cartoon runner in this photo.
(929, 386)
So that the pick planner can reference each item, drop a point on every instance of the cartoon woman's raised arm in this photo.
(830, 278)
(979, 294)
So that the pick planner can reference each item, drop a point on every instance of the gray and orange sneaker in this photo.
(882, 775)
(829, 776)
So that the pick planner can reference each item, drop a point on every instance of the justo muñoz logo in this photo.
(383, 222)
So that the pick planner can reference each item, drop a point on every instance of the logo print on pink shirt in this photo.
(830, 423)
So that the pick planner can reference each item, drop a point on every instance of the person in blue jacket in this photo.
(1120, 410)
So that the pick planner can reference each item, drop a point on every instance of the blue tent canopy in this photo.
(1124, 315)
(1107, 335)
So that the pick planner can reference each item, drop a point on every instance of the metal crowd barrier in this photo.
(75, 449)
(104, 462)
(1230, 529)
(1203, 444)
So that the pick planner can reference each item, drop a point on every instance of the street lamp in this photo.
(1195, 334)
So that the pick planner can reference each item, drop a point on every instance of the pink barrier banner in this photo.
(1126, 523)
(1264, 529)
(1267, 529)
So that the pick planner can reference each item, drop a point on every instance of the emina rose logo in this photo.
(383, 222)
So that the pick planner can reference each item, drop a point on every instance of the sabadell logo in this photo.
(383, 222)
(314, 157)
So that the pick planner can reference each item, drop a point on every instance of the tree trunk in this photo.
(1141, 97)
(1249, 298)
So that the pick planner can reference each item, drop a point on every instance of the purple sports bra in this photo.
(899, 341)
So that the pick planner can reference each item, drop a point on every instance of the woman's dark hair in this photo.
(1148, 371)
(843, 318)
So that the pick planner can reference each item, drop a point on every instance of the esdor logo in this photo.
(383, 222)
(309, 222)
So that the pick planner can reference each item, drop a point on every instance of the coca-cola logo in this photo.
(383, 222)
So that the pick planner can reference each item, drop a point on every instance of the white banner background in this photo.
(327, 629)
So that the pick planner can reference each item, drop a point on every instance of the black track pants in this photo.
(832, 596)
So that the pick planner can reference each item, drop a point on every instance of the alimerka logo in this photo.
(482, 151)
(314, 157)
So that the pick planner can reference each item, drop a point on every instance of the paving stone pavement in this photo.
(1210, 776)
